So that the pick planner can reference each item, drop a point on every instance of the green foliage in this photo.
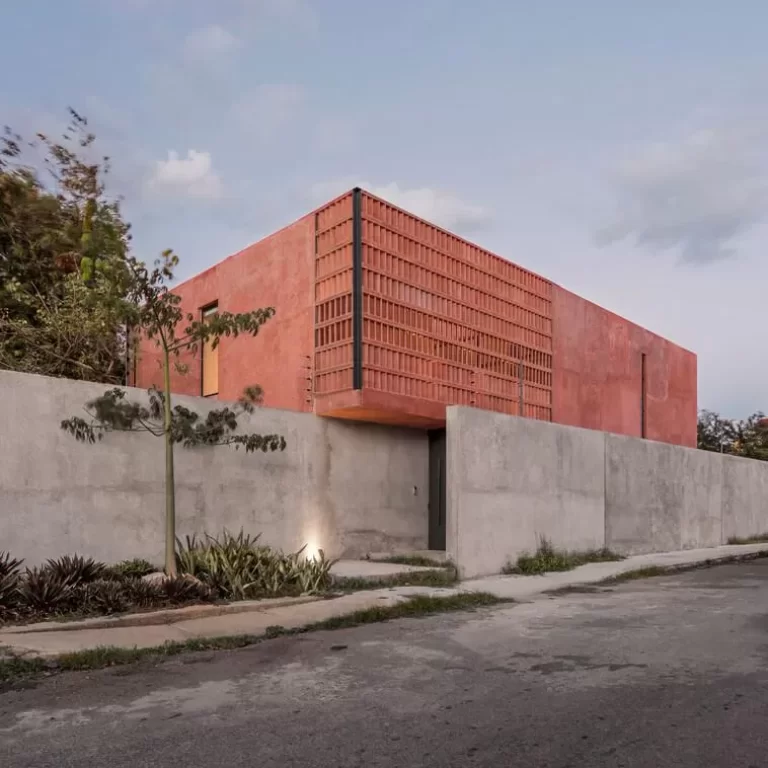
(63, 276)
(183, 589)
(42, 591)
(102, 597)
(547, 559)
(75, 570)
(238, 568)
(9, 584)
(143, 594)
(747, 438)
(16, 669)
(133, 569)
(111, 412)
(755, 538)
(435, 577)
(76, 586)
(156, 315)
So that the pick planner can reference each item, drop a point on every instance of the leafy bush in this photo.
(132, 569)
(233, 567)
(44, 591)
(239, 568)
(143, 594)
(184, 589)
(75, 570)
(102, 597)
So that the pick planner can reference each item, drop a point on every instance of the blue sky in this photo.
(616, 147)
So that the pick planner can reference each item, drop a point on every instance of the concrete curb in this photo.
(296, 615)
(527, 587)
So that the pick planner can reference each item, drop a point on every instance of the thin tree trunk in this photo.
(170, 487)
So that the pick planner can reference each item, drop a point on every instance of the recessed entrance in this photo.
(437, 485)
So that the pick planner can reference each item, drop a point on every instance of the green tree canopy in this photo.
(745, 437)
(63, 247)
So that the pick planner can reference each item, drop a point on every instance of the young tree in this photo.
(157, 315)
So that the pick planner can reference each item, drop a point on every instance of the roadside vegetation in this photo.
(17, 669)
(418, 560)
(228, 568)
(442, 576)
(547, 559)
(757, 538)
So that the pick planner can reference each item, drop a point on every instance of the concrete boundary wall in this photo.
(512, 480)
(348, 488)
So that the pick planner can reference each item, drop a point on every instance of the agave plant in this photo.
(144, 594)
(132, 569)
(76, 570)
(239, 568)
(9, 585)
(101, 596)
(183, 589)
(44, 591)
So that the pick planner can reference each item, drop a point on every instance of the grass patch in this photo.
(647, 573)
(17, 669)
(12, 669)
(440, 577)
(547, 559)
(757, 538)
(420, 560)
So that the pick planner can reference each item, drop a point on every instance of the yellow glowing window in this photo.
(210, 360)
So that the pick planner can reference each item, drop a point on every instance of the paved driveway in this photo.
(666, 672)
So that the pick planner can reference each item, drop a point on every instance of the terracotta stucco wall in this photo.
(277, 271)
(597, 374)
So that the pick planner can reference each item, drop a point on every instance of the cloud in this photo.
(210, 43)
(697, 195)
(434, 205)
(192, 177)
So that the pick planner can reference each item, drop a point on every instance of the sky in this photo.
(616, 147)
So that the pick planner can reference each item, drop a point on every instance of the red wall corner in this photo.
(597, 374)
(278, 271)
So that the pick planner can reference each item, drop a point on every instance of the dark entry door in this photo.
(437, 468)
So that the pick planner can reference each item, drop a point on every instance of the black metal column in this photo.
(357, 289)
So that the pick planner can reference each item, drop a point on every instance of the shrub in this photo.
(144, 594)
(75, 570)
(9, 584)
(44, 591)
(183, 589)
(101, 597)
(239, 568)
(132, 569)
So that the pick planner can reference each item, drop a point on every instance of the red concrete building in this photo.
(383, 317)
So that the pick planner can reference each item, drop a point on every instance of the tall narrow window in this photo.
(210, 359)
(642, 395)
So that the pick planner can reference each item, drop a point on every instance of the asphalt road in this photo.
(665, 672)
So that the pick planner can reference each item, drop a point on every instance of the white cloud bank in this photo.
(697, 195)
(434, 205)
(191, 177)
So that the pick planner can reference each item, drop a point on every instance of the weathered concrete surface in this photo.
(512, 481)
(745, 497)
(347, 488)
(661, 497)
(664, 672)
(51, 639)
